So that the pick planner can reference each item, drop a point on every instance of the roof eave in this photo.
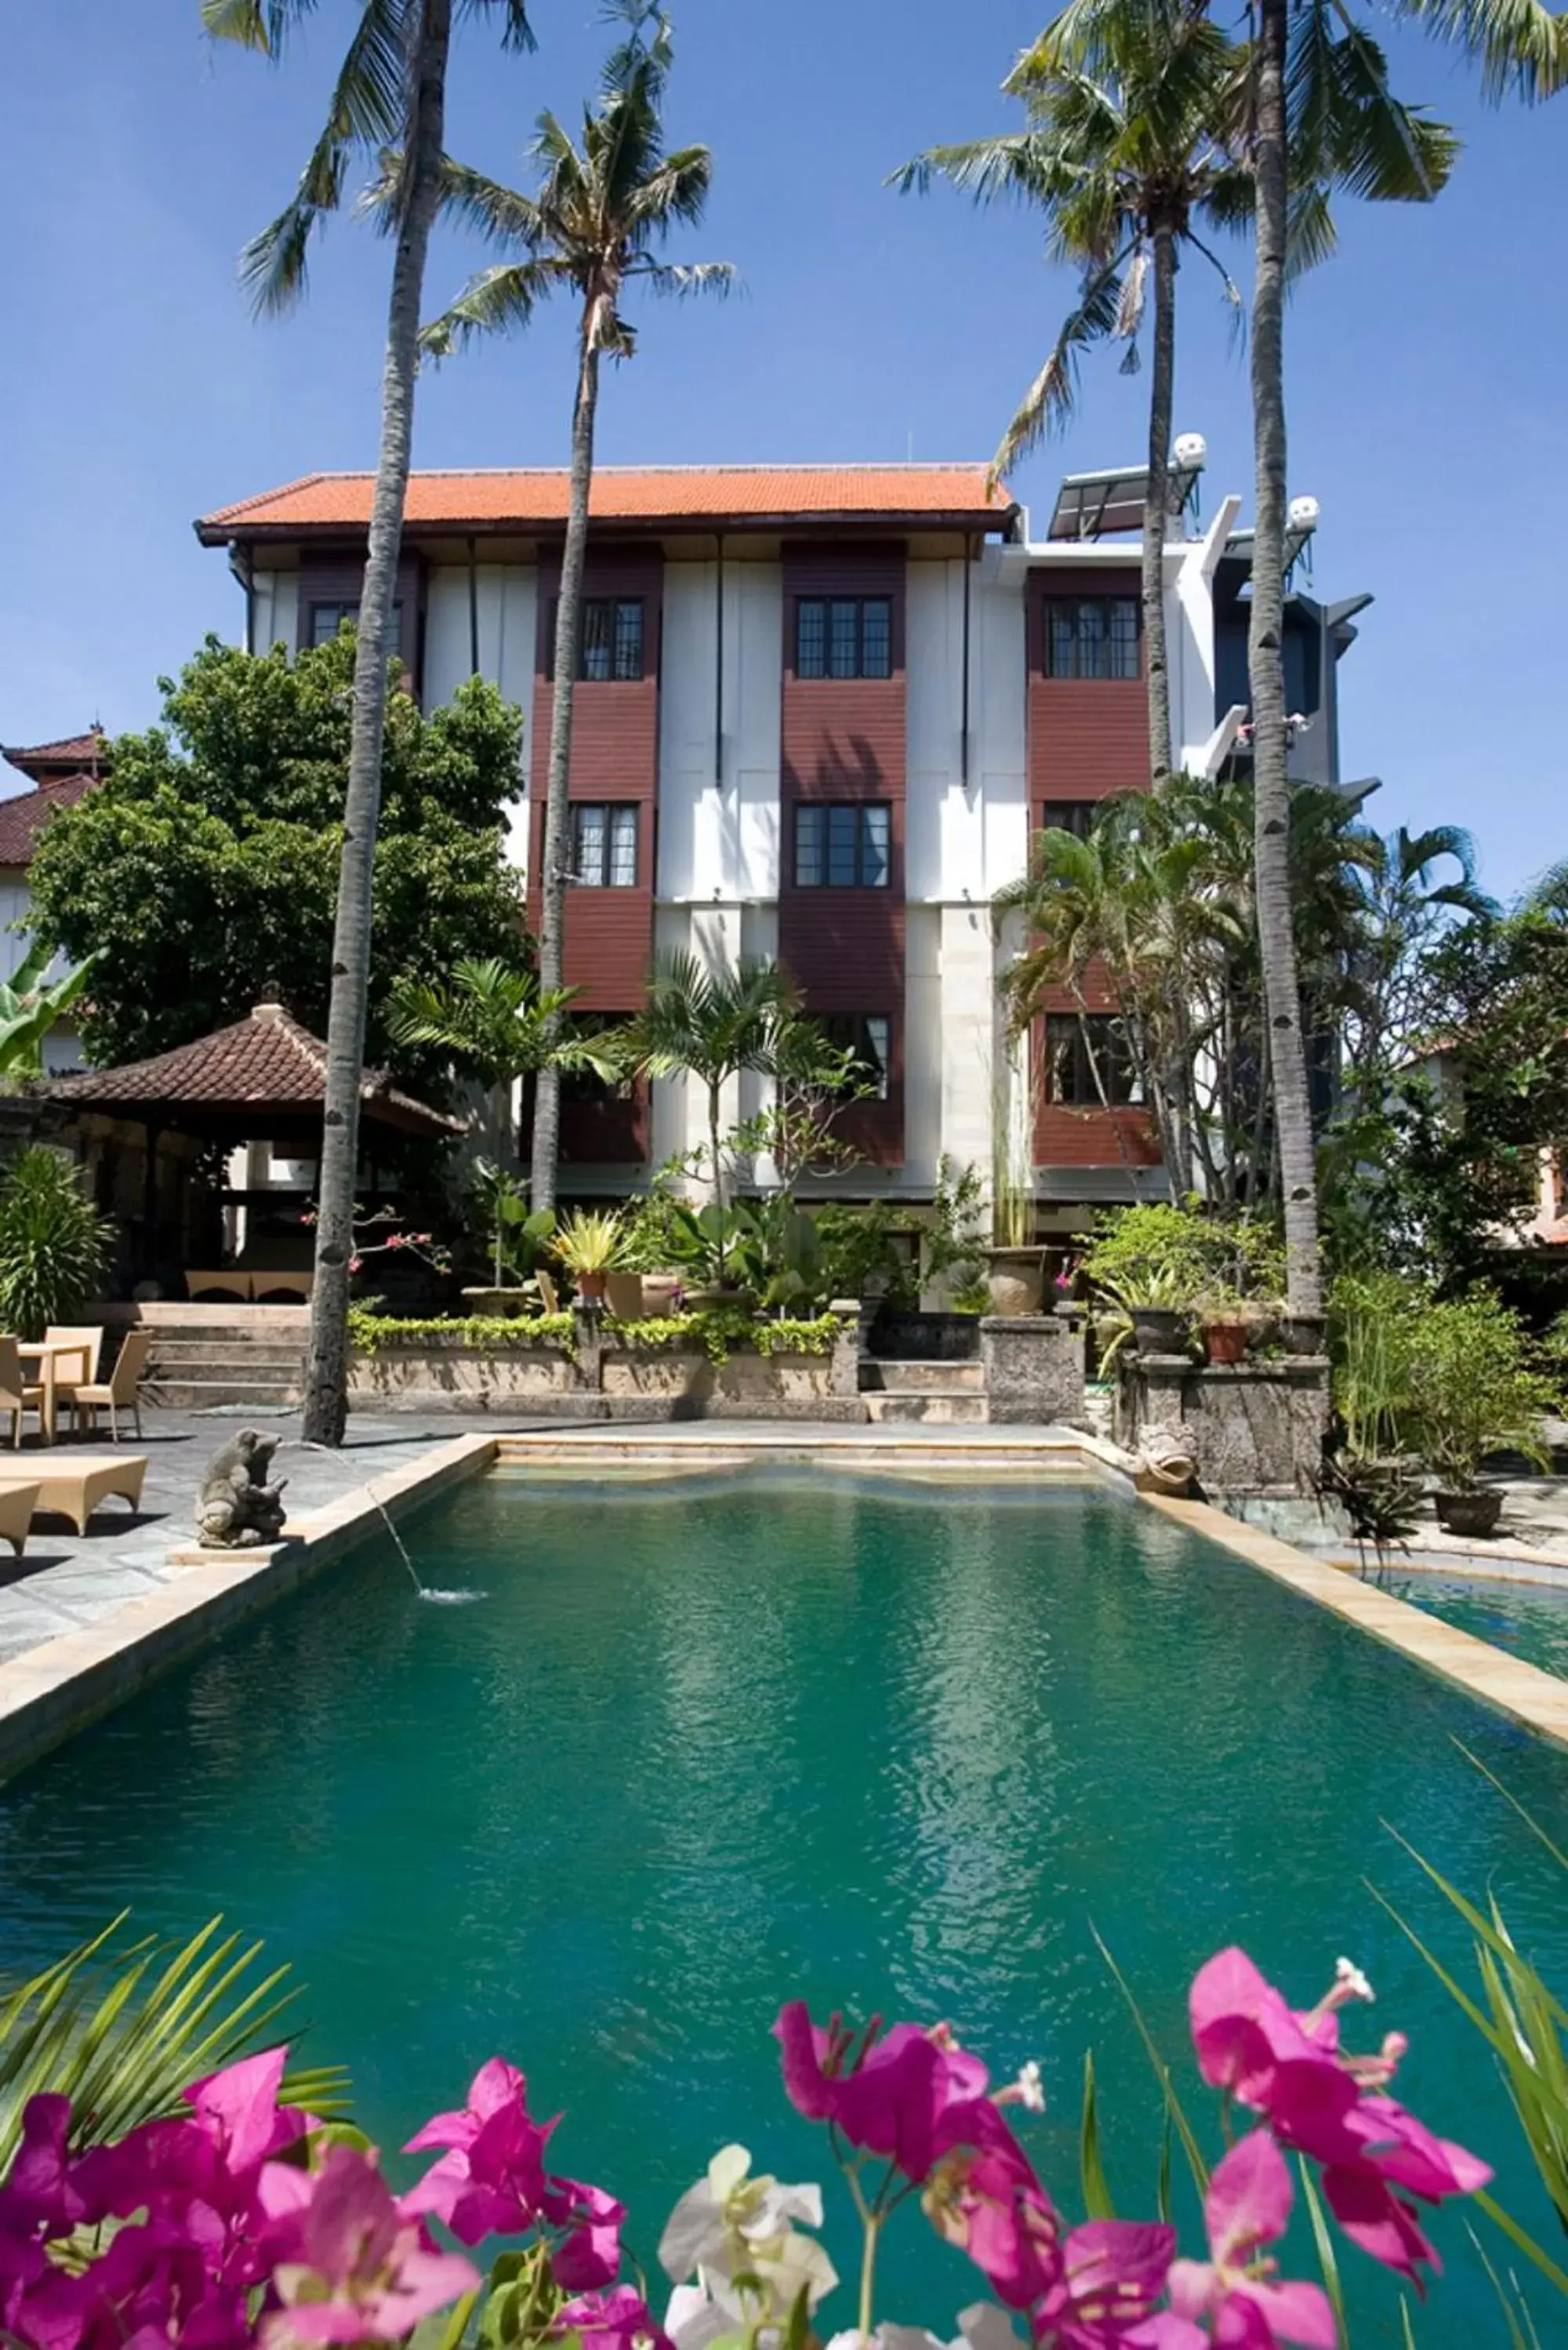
(242, 531)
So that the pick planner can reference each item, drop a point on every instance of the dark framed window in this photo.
(1092, 636)
(604, 844)
(1070, 1079)
(325, 620)
(842, 844)
(612, 640)
(843, 636)
(1077, 816)
(869, 1037)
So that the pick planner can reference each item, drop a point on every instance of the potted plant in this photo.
(1226, 1322)
(514, 1236)
(1473, 1389)
(1154, 1303)
(1015, 1272)
(590, 1246)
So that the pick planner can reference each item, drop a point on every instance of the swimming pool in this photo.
(1528, 1619)
(698, 1748)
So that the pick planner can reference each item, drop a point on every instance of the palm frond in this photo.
(367, 109)
(494, 302)
(122, 2028)
(682, 278)
(1521, 45)
(516, 31)
(1048, 403)
(252, 24)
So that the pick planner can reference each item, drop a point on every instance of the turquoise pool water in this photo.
(1528, 1620)
(693, 1751)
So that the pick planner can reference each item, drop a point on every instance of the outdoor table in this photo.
(47, 1354)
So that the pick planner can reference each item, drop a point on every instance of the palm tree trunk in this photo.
(1276, 942)
(326, 1364)
(557, 850)
(1157, 658)
(716, 1112)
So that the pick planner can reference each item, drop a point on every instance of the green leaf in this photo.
(1173, 2106)
(1097, 2204)
(1521, 2239)
(1327, 2264)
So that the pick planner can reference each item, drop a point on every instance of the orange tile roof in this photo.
(25, 814)
(658, 493)
(265, 1064)
(68, 756)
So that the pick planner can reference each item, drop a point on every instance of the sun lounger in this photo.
(76, 1483)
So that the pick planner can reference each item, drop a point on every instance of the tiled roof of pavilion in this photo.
(264, 1064)
(24, 816)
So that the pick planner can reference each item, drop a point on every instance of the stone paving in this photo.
(65, 1580)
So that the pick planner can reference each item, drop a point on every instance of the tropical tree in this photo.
(601, 210)
(712, 1024)
(390, 91)
(1125, 151)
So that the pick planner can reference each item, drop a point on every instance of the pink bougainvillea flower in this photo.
(590, 2255)
(910, 2095)
(1112, 2273)
(491, 2180)
(39, 2192)
(1289, 2068)
(992, 2207)
(1247, 2206)
(350, 2265)
(620, 2320)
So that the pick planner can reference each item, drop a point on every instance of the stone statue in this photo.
(237, 1509)
(1164, 1464)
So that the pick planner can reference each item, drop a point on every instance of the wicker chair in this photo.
(117, 1393)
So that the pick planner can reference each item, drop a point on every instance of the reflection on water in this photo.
(700, 1749)
(1528, 1619)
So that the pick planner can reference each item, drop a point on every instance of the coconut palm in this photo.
(1125, 151)
(1320, 102)
(496, 1023)
(390, 90)
(712, 1024)
(601, 210)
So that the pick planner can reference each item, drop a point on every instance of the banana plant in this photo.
(30, 1003)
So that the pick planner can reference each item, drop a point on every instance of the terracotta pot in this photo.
(1225, 1342)
(1015, 1278)
(1474, 1512)
(591, 1286)
(660, 1291)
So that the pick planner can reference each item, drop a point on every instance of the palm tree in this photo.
(601, 211)
(1125, 152)
(713, 1025)
(496, 1024)
(390, 90)
(1320, 106)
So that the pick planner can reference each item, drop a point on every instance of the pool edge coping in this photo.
(1526, 1693)
(51, 1692)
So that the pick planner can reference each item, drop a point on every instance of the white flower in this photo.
(1031, 2090)
(731, 2225)
(1350, 1981)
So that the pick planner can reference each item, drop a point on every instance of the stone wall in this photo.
(1033, 1366)
(1254, 1427)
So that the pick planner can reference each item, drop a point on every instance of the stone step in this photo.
(244, 1362)
(921, 1405)
(923, 1378)
(202, 1395)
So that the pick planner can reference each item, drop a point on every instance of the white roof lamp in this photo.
(1190, 452)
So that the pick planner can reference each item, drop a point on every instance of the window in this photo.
(843, 636)
(612, 640)
(842, 844)
(325, 620)
(1092, 636)
(604, 846)
(1077, 816)
(1069, 1078)
(869, 1037)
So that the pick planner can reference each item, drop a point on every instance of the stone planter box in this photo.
(607, 1378)
(1253, 1426)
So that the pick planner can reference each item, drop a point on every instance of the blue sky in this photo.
(1425, 363)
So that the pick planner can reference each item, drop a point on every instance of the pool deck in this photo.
(85, 1620)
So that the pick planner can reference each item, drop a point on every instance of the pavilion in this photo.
(256, 1087)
